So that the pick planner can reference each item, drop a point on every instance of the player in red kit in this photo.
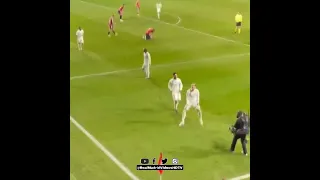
(138, 7)
(111, 26)
(149, 33)
(120, 12)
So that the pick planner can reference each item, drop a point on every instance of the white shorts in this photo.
(159, 10)
(176, 96)
(188, 106)
(80, 40)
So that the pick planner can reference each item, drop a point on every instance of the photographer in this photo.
(240, 131)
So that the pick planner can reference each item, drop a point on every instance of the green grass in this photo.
(133, 117)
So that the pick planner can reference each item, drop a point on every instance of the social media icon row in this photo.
(163, 161)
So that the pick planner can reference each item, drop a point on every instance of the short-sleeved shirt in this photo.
(238, 18)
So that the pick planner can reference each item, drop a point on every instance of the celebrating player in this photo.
(175, 86)
(138, 7)
(148, 34)
(193, 99)
(120, 12)
(146, 63)
(238, 19)
(80, 40)
(111, 26)
(159, 6)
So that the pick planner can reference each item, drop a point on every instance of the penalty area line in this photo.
(104, 150)
(158, 66)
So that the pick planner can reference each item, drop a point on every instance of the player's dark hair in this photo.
(240, 114)
(174, 73)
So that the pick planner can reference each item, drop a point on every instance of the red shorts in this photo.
(120, 13)
(138, 7)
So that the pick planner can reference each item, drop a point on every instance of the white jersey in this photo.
(193, 97)
(159, 6)
(79, 35)
(146, 59)
(175, 85)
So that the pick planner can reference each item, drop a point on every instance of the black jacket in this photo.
(239, 124)
(242, 126)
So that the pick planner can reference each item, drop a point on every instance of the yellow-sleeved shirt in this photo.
(238, 18)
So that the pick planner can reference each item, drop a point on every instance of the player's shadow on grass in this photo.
(220, 148)
(156, 83)
(159, 85)
(191, 152)
(195, 152)
(150, 121)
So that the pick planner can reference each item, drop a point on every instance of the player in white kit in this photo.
(175, 86)
(146, 63)
(193, 100)
(159, 6)
(80, 40)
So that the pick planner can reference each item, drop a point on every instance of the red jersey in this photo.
(149, 31)
(138, 3)
(121, 8)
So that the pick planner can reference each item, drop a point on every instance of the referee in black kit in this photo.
(240, 131)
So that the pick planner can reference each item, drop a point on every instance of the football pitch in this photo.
(118, 117)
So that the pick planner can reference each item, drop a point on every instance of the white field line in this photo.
(246, 176)
(104, 150)
(174, 25)
(73, 177)
(179, 19)
(157, 66)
